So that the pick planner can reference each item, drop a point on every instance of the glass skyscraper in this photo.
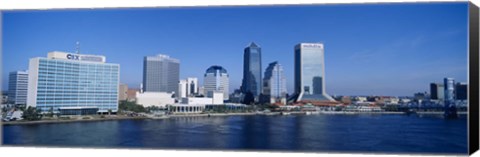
(160, 74)
(449, 87)
(74, 83)
(274, 82)
(310, 72)
(216, 80)
(437, 91)
(17, 87)
(252, 70)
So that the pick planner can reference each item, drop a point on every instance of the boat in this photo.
(285, 113)
(272, 113)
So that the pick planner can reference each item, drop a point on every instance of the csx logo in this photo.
(73, 57)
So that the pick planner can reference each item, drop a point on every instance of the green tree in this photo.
(50, 112)
(31, 113)
(249, 98)
(131, 106)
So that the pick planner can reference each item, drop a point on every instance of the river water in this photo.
(305, 133)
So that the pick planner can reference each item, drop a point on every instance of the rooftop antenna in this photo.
(77, 48)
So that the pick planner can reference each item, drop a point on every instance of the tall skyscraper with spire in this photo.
(252, 70)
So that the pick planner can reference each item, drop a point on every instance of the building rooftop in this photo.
(214, 68)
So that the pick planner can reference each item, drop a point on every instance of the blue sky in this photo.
(370, 49)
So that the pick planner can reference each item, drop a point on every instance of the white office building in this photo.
(187, 88)
(73, 84)
(216, 80)
(182, 89)
(158, 99)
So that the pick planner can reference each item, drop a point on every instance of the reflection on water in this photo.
(332, 133)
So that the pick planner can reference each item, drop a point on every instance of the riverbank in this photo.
(148, 116)
(21, 122)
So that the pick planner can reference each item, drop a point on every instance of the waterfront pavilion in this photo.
(186, 108)
(225, 107)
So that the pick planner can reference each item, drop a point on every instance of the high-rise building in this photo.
(160, 74)
(122, 92)
(73, 84)
(461, 91)
(274, 83)
(182, 89)
(18, 87)
(310, 72)
(450, 107)
(437, 91)
(252, 70)
(449, 87)
(216, 80)
(192, 86)
(188, 87)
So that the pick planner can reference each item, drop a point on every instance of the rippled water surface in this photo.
(319, 133)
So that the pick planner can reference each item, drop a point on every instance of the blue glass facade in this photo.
(310, 72)
(66, 83)
(252, 70)
(18, 87)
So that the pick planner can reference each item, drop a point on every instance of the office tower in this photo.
(188, 87)
(216, 80)
(73, 84)
(461, 91)
(310, 72)
(192, 86)
(437, 91)
(160, 74)
(252, 70)
(17, 87)
(275, 85)
(182, 89)
(450, 108)
(122, 92)
(449, 88)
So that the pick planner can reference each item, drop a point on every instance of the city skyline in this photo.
(397, 59)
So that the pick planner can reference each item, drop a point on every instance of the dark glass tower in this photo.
(252, 70)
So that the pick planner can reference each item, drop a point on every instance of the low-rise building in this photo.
(186, 108)
(391, 101)
(197, 100)
(14, 115)
(122, 92)
(158, 99)
(360, 98)
(132, 94)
